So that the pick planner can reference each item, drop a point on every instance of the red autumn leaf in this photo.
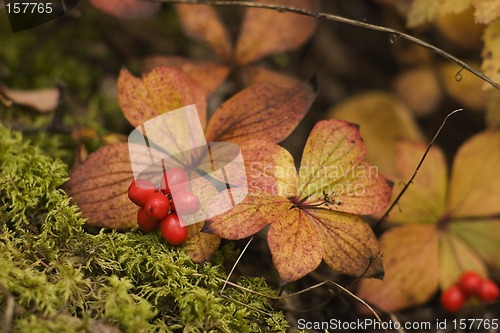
(104, 178)
(202, 23)
(265, 31)
(161, 90)
(301, 233)
(127, 9)
(261, 111)
(207, 74)
(99, 186)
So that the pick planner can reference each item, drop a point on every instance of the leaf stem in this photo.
(395, 34)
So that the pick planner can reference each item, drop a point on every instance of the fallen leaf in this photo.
(265, 31)
(411, 269)
(41, 100)
(162, 90)
(208, 74)
(202, 23)
(261, 111)
(201, 245)
(491, 53)
(99, 186)
(377, 113)
(475, 186)
(127, 9)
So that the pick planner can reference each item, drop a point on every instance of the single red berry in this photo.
(185, 203)
(173, 229)
(487, 291)
(157, 206)
(175, 179)
(453, 298)
(139, 190)
(470, 282)
(146, 223)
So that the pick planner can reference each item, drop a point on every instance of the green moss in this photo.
(62, 278)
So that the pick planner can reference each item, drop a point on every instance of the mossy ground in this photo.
(56, 276)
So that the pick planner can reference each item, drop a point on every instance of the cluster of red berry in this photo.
(469, 285)
(158, 210)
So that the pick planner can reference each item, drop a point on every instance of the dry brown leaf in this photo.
(41, 100)
(265, 31)
(202, 23)
(493, 110)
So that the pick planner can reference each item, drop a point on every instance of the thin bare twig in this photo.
(395, 202)
(235, 264)
(395, 34)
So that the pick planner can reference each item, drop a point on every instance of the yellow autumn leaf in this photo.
(491, 52)
(427, 10)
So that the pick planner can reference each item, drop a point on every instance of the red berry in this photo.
(175, 179)
(487, 291)
(139, 190)
(185, 203)
(146, 223)
(157, 206)
(452, 299)
(470, 282)
(173, 229)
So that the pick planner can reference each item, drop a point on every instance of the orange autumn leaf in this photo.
(127, 9)
(266, 31)
(202, 23)
(261, 111)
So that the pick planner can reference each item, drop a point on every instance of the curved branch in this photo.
(330, 17)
